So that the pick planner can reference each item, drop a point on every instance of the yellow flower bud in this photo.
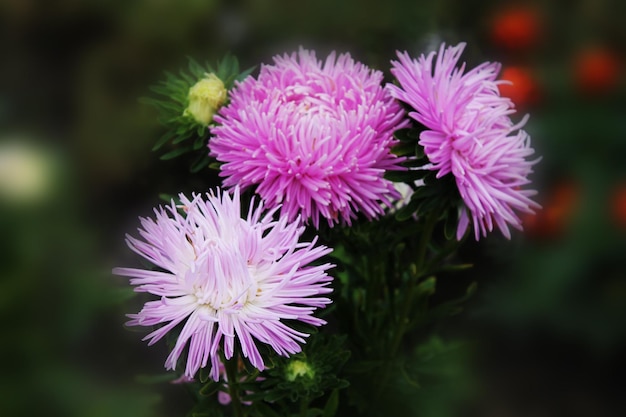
(297, 368)
(205, 97)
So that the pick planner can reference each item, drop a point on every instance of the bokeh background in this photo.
(546, 332)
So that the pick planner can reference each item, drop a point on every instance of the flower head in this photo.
(469, 133)
(224, 277)
(313, 136)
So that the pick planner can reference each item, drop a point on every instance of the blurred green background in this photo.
(548, 324)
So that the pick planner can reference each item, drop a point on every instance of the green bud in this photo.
(298, 369)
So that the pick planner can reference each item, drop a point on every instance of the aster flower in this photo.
(469, 133)
(223, 278)
(312, 136)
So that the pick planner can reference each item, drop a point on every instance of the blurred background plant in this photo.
(544, 333)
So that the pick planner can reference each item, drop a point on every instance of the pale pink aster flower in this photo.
(313, 136)
(224, 277)
(469, 134)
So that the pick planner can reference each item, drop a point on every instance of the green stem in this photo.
(427, 233)
(233, 384)
(405, 310)
(304, 407)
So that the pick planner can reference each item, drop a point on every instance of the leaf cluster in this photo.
(430, 194)
(325, 355)
(183, 133)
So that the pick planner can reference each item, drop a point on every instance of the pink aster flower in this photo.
(313, 136)
(469, 133)
(223, 277)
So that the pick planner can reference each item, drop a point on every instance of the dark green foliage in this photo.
(323, 356)
(430, 194)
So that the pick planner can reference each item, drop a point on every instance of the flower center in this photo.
(224, 281)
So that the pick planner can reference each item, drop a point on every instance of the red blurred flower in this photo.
(516, 27)
(618, 205)
(523, 90)
(551, 221)
(597, 70)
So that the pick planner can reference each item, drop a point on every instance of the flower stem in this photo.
(233, 385)
(304, 407)
(404, 319)
(420, 271)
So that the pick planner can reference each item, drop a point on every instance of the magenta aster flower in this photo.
(469, 133)
(312, 136)
(226, 278)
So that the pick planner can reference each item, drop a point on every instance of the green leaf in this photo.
(419, 152)
(403, 149)
(427, 287)
(168, 106)
(176, 152)
(242, 76)
(209, 388)
(450, 226)
(181, 138)
(194, 67)
(163, 139)
(200, 163)
(453, 306)
(416, 163)
(407, 211)
(406, 135)
(471, 290)
(200, 142)
(266, 410)
(166, 197)
(456, 267)
(407, 176)
(163, 90)
(200, 130)
(204, 375)
(330, 409)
